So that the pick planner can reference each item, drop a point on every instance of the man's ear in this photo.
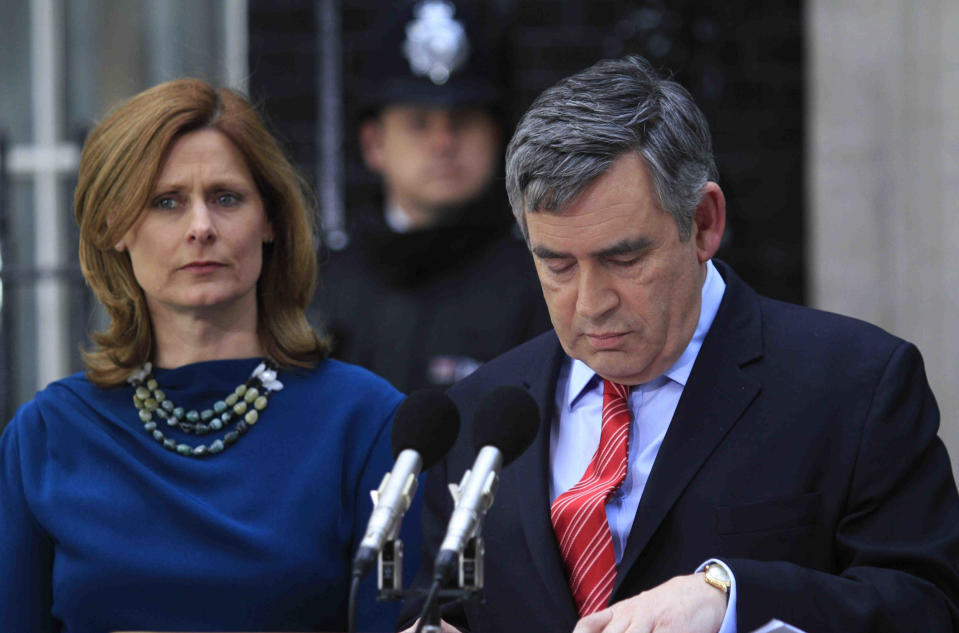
(709, 221)
(371, 144)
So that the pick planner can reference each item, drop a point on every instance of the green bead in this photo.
(168, 405)
(137, 402)
(226, 416)
(179, 412)
(219, 406)
(240, 407)
(151, 404)
(206, 414)
(162, 413)
(241, 427)
(150, 426)
(251, 417)
(145, 415)
(230, 400)
(231, 437)
(193, 416)
(159, 395)
(158, 435)
(251, 394)
(216, 446)
(152, 384)
(260, 403)
(169, 444)
(240, 390)
(216, 424)
(142, 392)
(199, 451)
(183, 449)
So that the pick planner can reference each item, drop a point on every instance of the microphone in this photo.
(505, 424)
(424, 429)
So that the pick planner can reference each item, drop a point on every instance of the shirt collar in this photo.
(582, 378)
(397, 219)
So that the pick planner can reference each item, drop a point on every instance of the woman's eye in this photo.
(165, 202)
(228, 199)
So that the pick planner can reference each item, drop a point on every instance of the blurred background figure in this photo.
(434, 280)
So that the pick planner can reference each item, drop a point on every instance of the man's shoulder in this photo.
(822, 328)
(523, 362)
(794, 326)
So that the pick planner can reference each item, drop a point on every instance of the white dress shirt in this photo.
(575, 432)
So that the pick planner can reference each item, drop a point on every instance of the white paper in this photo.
(777, 626)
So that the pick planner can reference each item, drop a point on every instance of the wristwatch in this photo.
(716, 576)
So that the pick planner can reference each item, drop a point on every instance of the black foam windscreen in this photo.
(426, 422)
(507, 418)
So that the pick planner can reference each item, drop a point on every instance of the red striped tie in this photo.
(579, 514)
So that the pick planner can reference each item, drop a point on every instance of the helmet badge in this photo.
(436, 43)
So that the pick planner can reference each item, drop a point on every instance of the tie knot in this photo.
(613, 391)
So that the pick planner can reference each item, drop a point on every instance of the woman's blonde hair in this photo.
(119, 165)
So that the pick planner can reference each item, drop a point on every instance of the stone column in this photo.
(883, 170)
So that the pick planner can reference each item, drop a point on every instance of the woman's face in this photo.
(198, 247)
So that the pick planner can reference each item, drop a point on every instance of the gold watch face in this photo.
(717, 577)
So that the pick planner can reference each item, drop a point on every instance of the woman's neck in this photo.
(181, 338)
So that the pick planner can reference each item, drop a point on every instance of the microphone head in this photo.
(426, 422)
(507, 418)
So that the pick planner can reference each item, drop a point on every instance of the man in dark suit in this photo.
(780, 462)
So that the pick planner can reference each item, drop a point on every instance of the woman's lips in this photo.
(202, 267)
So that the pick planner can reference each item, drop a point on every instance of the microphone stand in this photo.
(469, 586)
(469, 576)
(389, 563)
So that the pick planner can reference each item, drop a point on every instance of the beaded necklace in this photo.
(241, 408)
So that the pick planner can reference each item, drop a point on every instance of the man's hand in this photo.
(684, 604)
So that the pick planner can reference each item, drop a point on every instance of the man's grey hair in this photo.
(574, 131)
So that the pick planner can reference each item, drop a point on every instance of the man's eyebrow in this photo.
(625, 247)
(545, 253)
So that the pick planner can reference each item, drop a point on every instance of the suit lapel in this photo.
(530, 480)
(716, 395)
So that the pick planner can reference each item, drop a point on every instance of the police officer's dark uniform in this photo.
(425, 308)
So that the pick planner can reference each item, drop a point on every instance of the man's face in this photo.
(432, 159)
(623, 290)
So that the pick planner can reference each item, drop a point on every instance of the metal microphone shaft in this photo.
(393, 500)
(474, 500)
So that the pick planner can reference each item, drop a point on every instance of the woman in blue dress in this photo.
(211, 468)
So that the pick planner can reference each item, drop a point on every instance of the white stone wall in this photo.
(883, 175)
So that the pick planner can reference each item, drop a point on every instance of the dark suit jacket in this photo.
(803, 453)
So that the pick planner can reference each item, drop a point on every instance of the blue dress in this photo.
(102, 529)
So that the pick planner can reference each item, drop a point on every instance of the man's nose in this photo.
(442, 134)
(596, 295)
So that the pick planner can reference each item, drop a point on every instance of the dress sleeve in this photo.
(26, 550)
(896, 547)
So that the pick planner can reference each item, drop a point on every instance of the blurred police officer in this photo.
(434, 281)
